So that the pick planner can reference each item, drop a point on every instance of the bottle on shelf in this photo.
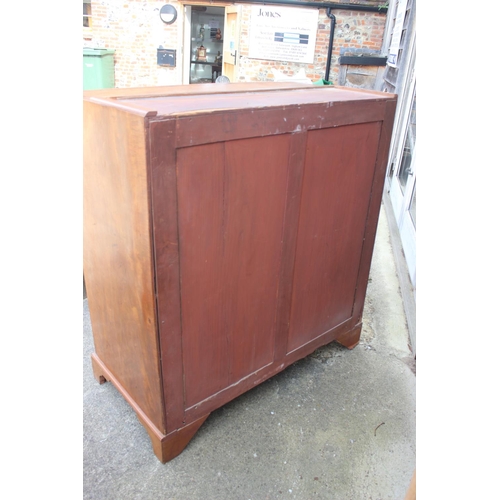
(201, 53)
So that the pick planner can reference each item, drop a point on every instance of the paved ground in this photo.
(338, 424)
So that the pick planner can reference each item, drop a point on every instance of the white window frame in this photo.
(89, 17)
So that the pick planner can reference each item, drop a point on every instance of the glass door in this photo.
(203, 43)
(403, 191)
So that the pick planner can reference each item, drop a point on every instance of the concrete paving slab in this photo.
(338, 424)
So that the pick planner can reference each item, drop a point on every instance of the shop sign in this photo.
(283, 33)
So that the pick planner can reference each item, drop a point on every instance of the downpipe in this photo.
(333, 22)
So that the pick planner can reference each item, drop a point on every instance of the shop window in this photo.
(87, 14)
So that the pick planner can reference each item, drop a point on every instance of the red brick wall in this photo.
(134, 30)
(353, 30)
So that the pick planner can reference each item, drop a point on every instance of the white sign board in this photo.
(283, 33)
(392, 58)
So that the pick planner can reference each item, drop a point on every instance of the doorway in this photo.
(203, 43)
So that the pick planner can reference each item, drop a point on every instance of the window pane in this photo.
(405, 165)
(410, 139)
(413, 206)
(87, 12)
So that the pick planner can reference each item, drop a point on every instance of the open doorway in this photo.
(204, 30)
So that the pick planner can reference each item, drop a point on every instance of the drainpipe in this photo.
(333, 21)
(329, 6)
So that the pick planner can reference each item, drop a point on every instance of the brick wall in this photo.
(134, 29)
(352, 30)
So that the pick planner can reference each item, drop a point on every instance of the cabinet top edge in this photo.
(180, 99)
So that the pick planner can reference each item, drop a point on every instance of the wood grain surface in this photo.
(231, 211)
(338, 175)
(228, 233)
(118, 260)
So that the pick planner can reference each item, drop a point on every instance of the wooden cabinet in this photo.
(228, 232)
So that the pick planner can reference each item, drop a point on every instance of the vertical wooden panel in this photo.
(231, 210)
(336, 190)
(200, 178)
(374, 208)
(166, 247)
(296, 160)
(257, 172)
(117, 254)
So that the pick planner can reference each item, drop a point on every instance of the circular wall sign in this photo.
(168, 14)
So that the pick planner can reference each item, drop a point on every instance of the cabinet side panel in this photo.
(338, 177)
(118, 255)
(374, 208)
(231, 211)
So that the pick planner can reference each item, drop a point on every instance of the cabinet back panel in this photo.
(231, 202)
(338, 175)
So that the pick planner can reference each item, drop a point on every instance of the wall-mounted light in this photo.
(168, 14)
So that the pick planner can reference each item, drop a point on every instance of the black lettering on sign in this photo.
(268, 13)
